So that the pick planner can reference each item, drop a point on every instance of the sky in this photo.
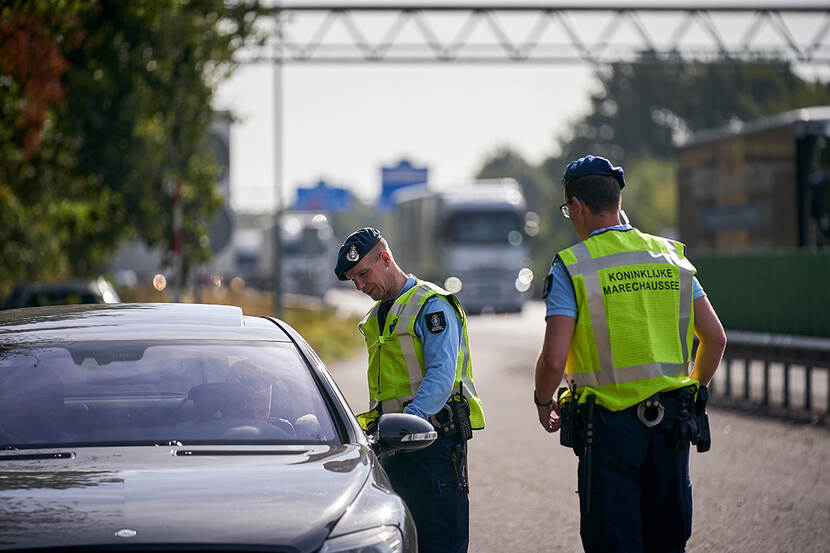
(342, 123)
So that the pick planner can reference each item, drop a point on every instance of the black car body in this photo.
(173, 426)
(38, 294)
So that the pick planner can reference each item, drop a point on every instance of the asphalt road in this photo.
(764, 485)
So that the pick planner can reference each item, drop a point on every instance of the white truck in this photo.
(469, 239)
(308, 248)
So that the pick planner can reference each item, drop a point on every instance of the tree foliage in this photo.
(651, 203)
(543, 196)
(638, 114)
(102, 105)
(644, 109)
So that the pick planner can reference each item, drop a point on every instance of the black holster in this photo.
(684, 417)
(586, 437)
(704, 437)
(577, 430)
(454, 418)
(567, 418)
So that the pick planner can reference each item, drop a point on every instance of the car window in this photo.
(134, 391)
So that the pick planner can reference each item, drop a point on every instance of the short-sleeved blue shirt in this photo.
(561, 298)
(440, 355)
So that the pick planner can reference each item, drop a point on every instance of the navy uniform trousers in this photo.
(641, 493)
(428, 482)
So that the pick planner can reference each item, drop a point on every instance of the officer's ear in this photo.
(385, 258)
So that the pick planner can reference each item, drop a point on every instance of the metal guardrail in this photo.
(775, 373)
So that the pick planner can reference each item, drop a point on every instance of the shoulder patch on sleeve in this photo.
(436, 322)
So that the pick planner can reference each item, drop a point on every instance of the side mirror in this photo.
(402, 432)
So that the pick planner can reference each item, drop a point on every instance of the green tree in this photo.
(637, 114)
(644, 108)
(543, 196)
(651, 199)
(103, 104)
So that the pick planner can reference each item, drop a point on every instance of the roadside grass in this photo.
(332, 335)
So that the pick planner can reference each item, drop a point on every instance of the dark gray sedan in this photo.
(174, 426)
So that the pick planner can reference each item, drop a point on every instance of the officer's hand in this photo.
(549, 417)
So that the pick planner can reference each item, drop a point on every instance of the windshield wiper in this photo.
(38, 456)
(236, 452)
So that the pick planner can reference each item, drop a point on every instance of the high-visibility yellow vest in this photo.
(396, 355)
(635, 322)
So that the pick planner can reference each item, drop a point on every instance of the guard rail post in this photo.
(808, 388)
(773, 350)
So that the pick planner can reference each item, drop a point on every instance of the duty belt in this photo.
(665, 406)
(651, 411)
(443, 421)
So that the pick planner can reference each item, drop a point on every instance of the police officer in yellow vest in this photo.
(622, 307)
(419, 363)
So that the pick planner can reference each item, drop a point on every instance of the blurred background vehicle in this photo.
(36, 294)
(231, 432)
(758, 184)
(308, 248)
(755, 216)
(470, 239)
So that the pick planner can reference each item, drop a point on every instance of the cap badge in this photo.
(352, 254)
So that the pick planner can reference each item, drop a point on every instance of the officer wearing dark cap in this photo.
(621, 310)
(419, 363)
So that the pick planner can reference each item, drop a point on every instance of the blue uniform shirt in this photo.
(561, 299)
(440, 355)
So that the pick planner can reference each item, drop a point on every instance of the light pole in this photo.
(277, 247)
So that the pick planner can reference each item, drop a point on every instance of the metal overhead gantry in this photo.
(547, 33)
(431, 33)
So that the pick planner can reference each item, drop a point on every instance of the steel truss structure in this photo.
(553, 34)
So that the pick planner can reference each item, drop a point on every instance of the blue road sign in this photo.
(394, 178)
(322, 197)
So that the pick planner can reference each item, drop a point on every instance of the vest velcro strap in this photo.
(394, 405)
(629, 374)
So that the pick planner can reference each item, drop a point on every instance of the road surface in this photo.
(764, 486)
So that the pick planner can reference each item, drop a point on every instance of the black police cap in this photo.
(354, 248)
(592, 165)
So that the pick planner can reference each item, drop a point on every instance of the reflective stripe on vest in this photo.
(404, 312)
(582, 264)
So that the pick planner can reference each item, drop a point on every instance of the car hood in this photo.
(287, 496)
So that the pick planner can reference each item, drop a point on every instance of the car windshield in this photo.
(122, 392)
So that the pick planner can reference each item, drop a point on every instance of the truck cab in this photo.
(469, 239)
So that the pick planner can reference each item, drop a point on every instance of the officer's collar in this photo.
(410, 282)
(621, 228)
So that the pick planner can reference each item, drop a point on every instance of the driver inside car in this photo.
(249, 390)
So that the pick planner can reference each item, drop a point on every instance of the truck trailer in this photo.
(469, 239)
(757, 185)
(754, 201)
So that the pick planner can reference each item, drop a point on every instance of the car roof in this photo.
(136, 321)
